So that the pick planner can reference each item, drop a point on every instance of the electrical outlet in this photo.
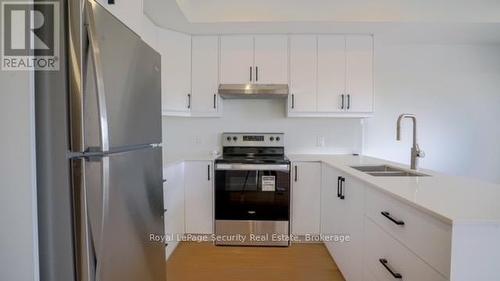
(197, 140)
(320, 141)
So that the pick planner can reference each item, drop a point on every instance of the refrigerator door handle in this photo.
(98, 75)
(103, 131)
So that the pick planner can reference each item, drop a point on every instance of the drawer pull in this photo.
(388, 215)
(385, 263)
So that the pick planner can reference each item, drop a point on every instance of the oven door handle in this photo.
(252, 167)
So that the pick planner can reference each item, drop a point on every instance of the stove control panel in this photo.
(253, 139)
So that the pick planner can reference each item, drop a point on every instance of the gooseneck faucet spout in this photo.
(416, 153)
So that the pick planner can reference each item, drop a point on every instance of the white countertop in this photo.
(455, 200)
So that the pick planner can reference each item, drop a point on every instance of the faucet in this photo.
(415, 150)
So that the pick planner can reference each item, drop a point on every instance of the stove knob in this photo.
(228, 138)
(235, 138)
(271, 138)
(277, 138)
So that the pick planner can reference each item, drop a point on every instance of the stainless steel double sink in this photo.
(387, 171)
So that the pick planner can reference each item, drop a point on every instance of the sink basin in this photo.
(378, 168)
(387, 171)
(397, 174)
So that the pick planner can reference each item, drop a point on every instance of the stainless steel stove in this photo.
(252, 190)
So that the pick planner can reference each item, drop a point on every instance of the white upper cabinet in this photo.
(127, 11)
(261, 59)
(205, 79)
(175, 50)
(271, 59)
(236, 59)
(303, 73)
(306, 198)
(331, 72)
(359, 87)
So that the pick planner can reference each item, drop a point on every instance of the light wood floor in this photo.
(194, 261)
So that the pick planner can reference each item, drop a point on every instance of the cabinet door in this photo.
(236, 59)
(303, 66)
(128, 11)
(306, 199)
(350, 209)
(331, 72)
(198, 197)
(174, 205)
(359, 80)
(271, 59)
(205, 79)
(175, 49)
(329, 216)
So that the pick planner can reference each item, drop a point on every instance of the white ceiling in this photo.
(436, 21)
(212, 11)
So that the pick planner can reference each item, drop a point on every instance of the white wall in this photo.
(455, 92)
(18, 236)
(200, 136)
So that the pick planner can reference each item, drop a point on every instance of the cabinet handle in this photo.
(215, 100)
(348, 101)
(342, 188)
(342, 104)
(256, 73)
(295, 173)
(250, 74)
(293, 101)
(189, 101)
(388, 216)
(385, 263)
(339, 179)
(208, 172)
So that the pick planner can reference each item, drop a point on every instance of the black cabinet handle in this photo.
(342, 104)
(295, 173)
(189, 100)
(342, 188)
(293, 101)
(339, 179)
(348, 102)
(388, 216)
(385, 263)
(250, 73)
(215, 100)
(256, 73)
(208, 172)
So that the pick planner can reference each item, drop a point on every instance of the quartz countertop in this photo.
(452, 199)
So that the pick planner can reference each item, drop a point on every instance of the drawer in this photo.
(427, 237)
(385, 257)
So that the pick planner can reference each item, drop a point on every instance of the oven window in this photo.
(252, 195)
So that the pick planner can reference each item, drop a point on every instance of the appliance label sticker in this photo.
(268, 183)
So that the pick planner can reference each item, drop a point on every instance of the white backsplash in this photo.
(201, 136)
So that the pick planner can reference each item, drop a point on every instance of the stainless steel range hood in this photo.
(253, 91)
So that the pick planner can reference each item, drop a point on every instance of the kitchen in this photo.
(329, 79)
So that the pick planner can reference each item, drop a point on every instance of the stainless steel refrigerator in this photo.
(99, 159)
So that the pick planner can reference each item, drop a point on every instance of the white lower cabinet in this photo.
(387, 259)
(199, 196)
(306, 197)
(342, 221)
(173, 205)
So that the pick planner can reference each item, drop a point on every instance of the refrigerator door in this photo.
(125, 211)
(122, 88)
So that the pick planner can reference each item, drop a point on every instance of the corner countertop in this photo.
(454, 200)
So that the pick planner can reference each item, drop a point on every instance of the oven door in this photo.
(252, 192)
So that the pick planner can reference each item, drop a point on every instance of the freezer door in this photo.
(125, 208)
(122, 84)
